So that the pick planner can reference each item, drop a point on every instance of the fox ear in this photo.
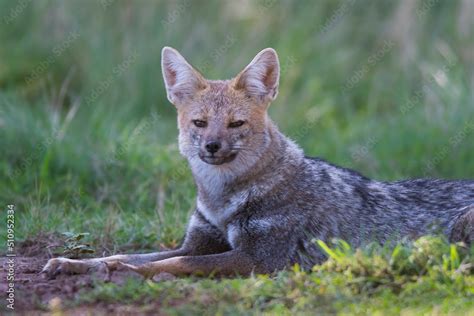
(260, 78)
(182, 81)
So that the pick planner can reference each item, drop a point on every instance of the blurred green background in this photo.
(89, 141)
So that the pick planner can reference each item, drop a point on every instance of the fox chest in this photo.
(219, 214)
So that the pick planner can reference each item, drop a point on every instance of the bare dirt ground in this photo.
(36, 295)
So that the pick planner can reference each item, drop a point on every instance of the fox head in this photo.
(222, 123)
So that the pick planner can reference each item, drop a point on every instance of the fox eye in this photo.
(236, 124)
(200, 123)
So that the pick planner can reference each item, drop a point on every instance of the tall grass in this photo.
(384, 87)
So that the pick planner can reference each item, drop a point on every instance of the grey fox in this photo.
(260, 201)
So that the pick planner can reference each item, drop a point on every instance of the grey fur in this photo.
(291, 199)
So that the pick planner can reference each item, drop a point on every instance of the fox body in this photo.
(261, 203)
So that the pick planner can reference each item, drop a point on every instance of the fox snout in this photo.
(213, 146)
(216, 152)
(216, 147)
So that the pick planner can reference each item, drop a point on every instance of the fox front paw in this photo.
(58, 266)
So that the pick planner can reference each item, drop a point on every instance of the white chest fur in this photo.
(220, 212)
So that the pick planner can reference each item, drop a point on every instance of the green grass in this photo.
(89, 141)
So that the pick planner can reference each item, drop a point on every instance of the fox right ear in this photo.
(182, 81)
(260, 78)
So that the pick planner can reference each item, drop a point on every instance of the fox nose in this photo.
(213, 146)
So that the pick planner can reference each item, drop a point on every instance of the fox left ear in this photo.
(260, 78)
(182, 81)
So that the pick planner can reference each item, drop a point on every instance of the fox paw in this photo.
(58, 266)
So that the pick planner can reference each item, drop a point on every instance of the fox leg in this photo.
(258, 252)
(233, 262)
(463, 229)
(56, 266)
(201, 239)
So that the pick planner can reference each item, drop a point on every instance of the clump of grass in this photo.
(374, 267)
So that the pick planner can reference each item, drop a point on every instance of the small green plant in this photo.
(74, 247)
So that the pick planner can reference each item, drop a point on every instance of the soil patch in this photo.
(35, 294)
